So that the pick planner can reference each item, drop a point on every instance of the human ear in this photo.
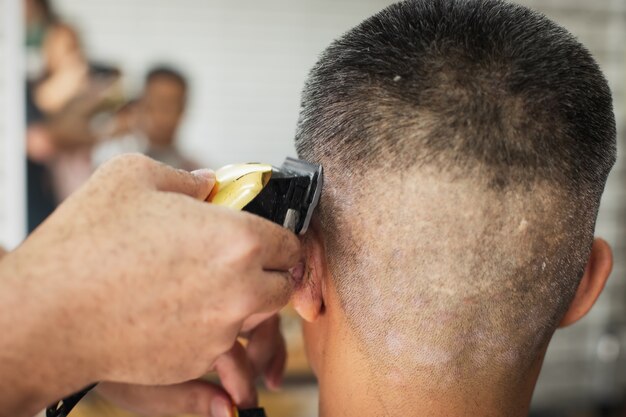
(597, 271)
(308, 299)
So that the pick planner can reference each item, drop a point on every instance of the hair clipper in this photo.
(287, 195)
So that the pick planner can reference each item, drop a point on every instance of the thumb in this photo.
(197, 184)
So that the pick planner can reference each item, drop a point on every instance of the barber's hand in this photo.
(237, 369)
(149, 284)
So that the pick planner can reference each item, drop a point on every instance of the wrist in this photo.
(38, 355)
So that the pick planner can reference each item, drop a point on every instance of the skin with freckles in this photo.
(465, 155)
(131, 281)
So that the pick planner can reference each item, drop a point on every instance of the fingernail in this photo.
(297, 272)
(220, 407)
(204, 173)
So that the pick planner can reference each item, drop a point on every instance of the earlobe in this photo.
(596, 273)
(308, 299)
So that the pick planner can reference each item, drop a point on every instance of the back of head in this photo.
(466, 145)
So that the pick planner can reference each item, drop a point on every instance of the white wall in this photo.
(12, 162)
(247, 61)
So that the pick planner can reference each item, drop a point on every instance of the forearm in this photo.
(35, 365)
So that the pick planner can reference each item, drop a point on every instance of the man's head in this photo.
(466, 145)
(162, 105)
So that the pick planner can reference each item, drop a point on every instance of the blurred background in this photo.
(204, 83)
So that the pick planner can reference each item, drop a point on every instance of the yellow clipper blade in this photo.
(237, 185)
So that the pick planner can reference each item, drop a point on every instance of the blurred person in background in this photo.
(150, 124)
(55, 62)
(41, 33)
(63, 93)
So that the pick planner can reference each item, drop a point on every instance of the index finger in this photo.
(280, 248)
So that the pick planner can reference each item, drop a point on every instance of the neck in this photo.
(352, 385)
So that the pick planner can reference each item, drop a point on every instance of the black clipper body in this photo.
(286, 195)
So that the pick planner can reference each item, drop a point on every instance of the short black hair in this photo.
(515, 118)
(506, 87)
(165, 71)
